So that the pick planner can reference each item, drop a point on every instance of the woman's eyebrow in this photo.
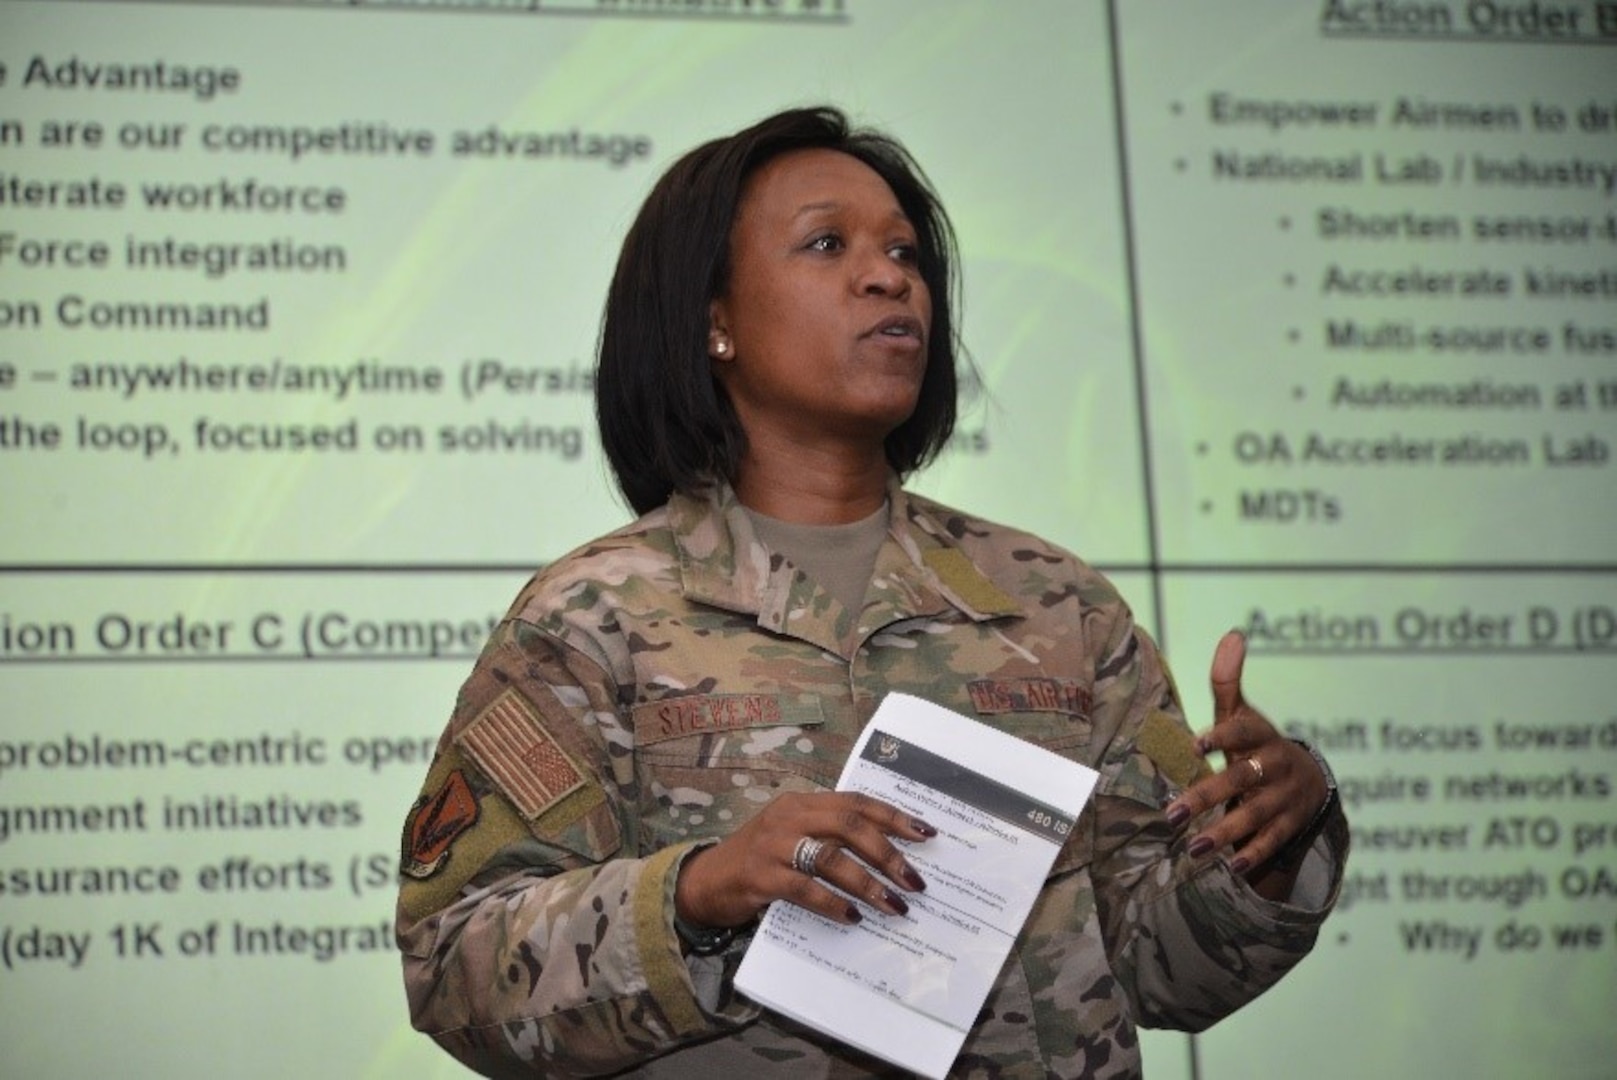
(808, 209)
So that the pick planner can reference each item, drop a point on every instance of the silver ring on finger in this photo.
(806, 854)
(1257, 769)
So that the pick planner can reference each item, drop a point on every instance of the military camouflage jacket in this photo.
(655, 688)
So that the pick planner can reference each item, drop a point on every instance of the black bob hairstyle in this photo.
(666, 424)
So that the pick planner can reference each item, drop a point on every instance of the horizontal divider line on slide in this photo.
(1592, 652)
(24, 569)
(1587, 652)
(57, 660)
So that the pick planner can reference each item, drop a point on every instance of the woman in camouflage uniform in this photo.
(648, 738)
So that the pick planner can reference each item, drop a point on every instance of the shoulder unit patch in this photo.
(434, 822)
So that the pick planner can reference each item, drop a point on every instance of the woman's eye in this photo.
(905, 253)
(828, 242)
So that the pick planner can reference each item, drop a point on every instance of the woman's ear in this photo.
(719, 345)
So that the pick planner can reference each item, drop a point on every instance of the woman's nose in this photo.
(881, 275)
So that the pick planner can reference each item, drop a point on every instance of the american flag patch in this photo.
(517, 753)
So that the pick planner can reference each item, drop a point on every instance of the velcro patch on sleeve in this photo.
(510, 744)
(1172, 749)
(958, 574)
(448, 839)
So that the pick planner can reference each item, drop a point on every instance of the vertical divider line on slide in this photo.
(1136, 348)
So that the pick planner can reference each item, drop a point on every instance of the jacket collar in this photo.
(921, 571)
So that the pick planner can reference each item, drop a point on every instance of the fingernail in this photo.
(1240, 864)
(894, 901)
(1200, 846)
(1178, 814)
(923, 828)
(912, 880)
(853, 915)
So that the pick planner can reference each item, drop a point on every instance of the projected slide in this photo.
(1300, 318)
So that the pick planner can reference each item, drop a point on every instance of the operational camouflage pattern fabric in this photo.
(653, 689)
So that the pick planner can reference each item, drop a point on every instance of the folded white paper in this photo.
(907, 988)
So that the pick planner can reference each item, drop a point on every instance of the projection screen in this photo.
(1291, 317)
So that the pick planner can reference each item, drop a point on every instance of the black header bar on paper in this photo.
(972, 788)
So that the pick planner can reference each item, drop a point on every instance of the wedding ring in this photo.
(806, 854)
(1257, 769)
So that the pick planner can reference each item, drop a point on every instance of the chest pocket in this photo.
(708, 762)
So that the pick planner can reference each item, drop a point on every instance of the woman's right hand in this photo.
(730, 883)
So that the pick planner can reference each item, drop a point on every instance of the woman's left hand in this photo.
(1271, 785)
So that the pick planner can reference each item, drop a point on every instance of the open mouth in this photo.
(902, 327)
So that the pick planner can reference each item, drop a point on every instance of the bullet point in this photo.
(1201, 448)
(1298, 392)
(1290, 280)
(1181, 164)
(1285, 223)
(1176, 108)
(1207, 506)
(1294, 334)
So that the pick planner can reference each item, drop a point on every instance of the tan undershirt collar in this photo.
(837, 558)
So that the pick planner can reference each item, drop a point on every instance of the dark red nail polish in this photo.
(912, 880)
(854, 916)
(895, 902)
(923, 828)
(1200, 846)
